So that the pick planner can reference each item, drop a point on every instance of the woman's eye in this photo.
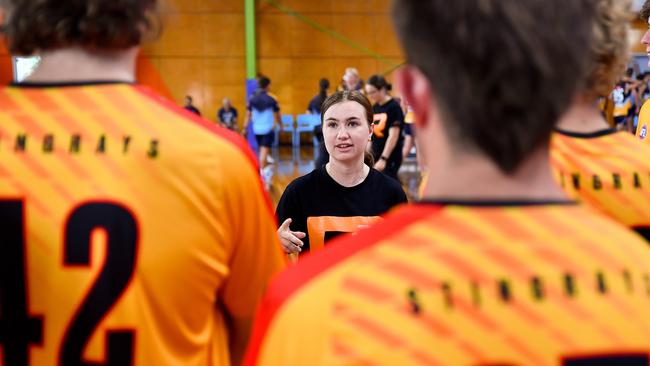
(353, 124)
(331, 125)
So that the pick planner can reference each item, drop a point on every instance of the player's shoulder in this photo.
(614, 141)
(195, 131)
(342, 251)
(633, 146)
(272, 96)
(583, 218)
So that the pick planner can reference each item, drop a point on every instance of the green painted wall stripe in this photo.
(251, 40)
(336, 36)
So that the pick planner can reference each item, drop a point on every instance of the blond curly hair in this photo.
(610, 48)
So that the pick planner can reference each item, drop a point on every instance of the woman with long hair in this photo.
(387, 140)
(344, 194)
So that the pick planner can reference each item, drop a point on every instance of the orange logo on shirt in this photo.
(380, 120)
(318, 226)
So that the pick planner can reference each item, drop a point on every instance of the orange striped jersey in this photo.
(644, 123)
(462, 284)
(607, 170)
(131, 230)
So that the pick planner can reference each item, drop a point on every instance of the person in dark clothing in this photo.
(387, 140)
(344, 194)
(263, 112)
(190, 107)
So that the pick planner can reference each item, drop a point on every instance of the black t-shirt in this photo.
(315, 104)
(322, 208)
(227, 117)
(386, 116)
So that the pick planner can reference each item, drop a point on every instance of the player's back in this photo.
(466, 284)
(607, 170)
(123, 229)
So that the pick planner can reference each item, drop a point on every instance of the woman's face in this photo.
(375, 95)
(346, 131)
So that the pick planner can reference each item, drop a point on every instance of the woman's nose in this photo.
(343, 134)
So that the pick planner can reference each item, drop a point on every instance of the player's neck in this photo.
(347, 174)
(473, 177)
(583, 117)
(77, 65)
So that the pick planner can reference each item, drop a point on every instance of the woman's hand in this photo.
(290, 240)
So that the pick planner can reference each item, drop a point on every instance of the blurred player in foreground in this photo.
(496, 267)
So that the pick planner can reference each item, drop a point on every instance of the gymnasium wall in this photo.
(202, 49)
(639, 27)
(295, 55)
(200, 52)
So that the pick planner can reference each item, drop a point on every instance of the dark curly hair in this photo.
(644, 14)
(40, 25)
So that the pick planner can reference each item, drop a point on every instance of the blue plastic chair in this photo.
(287, 126)
(305, 123)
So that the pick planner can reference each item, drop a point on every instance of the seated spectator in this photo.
(189, 106)
(315, 108)
(352, 81)
(227, 115)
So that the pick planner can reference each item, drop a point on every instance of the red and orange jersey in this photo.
(607, 170)
(130, 229)
(465, 284)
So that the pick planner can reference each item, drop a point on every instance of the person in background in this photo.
(227, 115)
(642, 90)
(316, 102)
(387, 140)
(495, 266)
(315, 108)
(409, 133)
(189, 106)
(263, 112)
(133, 233)
(344, 193)
(600, 166)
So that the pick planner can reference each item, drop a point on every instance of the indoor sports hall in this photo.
(325, 182)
